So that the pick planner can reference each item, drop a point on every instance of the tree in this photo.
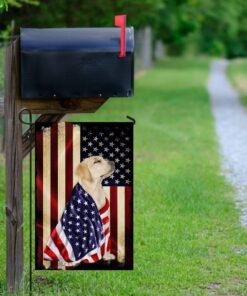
(3, 5)
(78, 13)
(16, 3)
(219, 26)
(176, 20)
(215, 27)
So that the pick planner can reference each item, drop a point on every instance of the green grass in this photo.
(187, 229)
(1, 69)
(237, 72)
(2, 53)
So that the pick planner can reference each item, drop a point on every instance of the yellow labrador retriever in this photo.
(91, 172)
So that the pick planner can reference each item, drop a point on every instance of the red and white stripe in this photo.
(57, 156)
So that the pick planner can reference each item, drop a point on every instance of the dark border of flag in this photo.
(129, 261)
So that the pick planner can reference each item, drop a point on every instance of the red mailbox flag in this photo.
(120, 21)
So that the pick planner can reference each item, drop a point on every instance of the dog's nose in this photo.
(112, 164)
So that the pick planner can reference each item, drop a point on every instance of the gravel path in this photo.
(231, 128)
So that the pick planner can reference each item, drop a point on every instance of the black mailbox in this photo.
(76, 63)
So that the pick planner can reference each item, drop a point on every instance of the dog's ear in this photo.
(83, 172)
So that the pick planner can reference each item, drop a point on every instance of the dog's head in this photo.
(94, 168)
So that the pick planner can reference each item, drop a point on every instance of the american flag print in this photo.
(71, 233)
(82, 234)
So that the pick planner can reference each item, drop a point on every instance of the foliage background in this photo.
(217, 28)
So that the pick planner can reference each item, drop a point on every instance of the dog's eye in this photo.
(97, 161)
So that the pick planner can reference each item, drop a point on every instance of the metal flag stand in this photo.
(131, 118)
(29, 136)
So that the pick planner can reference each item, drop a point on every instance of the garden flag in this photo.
(84, 200)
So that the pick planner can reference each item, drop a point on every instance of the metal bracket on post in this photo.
(132, 119)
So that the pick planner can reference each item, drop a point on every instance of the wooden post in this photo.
(14, 202)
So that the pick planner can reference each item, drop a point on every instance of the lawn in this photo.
(188, 239)
(1, 69)
(238, 74)
(2, 54)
